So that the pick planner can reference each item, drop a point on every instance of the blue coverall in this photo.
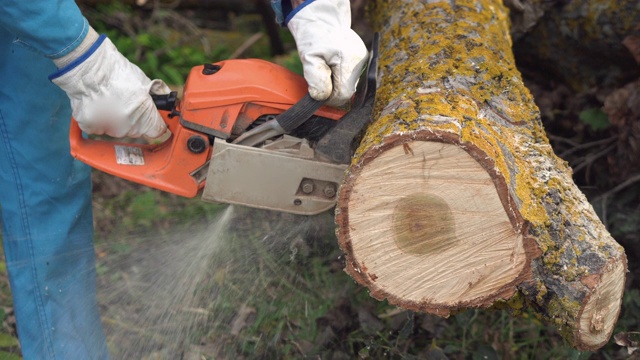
(45, 195)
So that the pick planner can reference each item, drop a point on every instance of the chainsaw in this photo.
(246, 132)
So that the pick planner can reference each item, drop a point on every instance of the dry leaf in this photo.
(629, 339)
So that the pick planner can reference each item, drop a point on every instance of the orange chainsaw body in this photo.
(238, 92)
(220, 101)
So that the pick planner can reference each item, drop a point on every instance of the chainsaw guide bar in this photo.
(283, 175)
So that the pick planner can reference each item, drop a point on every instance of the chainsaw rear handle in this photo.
(171, 166)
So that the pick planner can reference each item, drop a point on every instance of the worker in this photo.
(54, 65)
(45, 196)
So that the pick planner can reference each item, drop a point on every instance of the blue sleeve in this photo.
(282, 8)
(277, 8)
(51, 27)
(285, 11)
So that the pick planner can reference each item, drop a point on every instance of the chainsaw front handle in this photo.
(176, 165)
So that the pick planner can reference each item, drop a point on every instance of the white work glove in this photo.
(332, 54)
(109, 95)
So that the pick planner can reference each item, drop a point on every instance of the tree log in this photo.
(525, 14)
(585, 43)
(454, 198)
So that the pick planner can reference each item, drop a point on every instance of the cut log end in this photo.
(446, 238)
(601, 308)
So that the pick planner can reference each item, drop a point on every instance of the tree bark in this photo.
(454, 198)
(525, 14)
(585, 43)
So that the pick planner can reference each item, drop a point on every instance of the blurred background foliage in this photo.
(166, 39)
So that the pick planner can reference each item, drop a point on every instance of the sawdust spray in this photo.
(166, 294)
(149, 297)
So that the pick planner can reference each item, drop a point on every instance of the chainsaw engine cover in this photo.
(282, 175)
(225, 98)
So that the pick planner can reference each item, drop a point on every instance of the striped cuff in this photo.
(78, 60)
(85, 45)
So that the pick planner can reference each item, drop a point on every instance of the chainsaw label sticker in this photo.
(129, 155)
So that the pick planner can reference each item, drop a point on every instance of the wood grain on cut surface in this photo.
(438, 222)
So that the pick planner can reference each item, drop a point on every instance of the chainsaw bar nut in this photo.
(330, 191)
(307, 186)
